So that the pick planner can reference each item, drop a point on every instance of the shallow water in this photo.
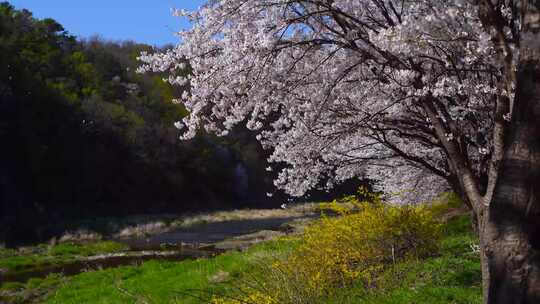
(207, 233)
(179, 244)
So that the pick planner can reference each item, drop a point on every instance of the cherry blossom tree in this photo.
(419, 95)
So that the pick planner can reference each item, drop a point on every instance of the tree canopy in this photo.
(393, 90)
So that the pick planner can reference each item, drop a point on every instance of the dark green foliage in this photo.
(83, 134)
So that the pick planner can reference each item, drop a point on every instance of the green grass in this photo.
(43, 255)
(89, 249)
(6, 252)
(154, 281)
(451, 275)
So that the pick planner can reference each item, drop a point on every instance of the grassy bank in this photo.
(448, 274)
(453, 276)
(29, 258)
(187, 281)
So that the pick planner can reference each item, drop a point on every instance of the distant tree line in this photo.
(82, 134)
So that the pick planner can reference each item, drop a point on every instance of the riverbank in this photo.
(191, 273)
(143, 226)
(189, 236)
(451, 274)
(27, 272)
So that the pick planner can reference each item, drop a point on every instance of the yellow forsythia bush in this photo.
(359, 245)
(251, 297)
(352, 248)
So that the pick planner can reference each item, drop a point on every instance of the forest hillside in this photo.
(83, 134)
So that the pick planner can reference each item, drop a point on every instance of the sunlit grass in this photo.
(47, 255)
(188, 281)
(449, 274)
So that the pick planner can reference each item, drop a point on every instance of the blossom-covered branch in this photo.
(402, 92)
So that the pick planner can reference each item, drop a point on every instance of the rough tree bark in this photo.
(510, 224)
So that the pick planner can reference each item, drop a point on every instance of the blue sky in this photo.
(148, 21)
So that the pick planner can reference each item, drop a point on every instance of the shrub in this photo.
(342, 251)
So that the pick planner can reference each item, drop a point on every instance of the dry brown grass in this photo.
(291, 211)
(152, 225)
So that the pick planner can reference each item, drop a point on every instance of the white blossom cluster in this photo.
(343, 88)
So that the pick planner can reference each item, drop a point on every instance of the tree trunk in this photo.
(510, 226)
(510, 262)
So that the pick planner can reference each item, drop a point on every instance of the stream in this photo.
(184, 243)
(199, 235)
